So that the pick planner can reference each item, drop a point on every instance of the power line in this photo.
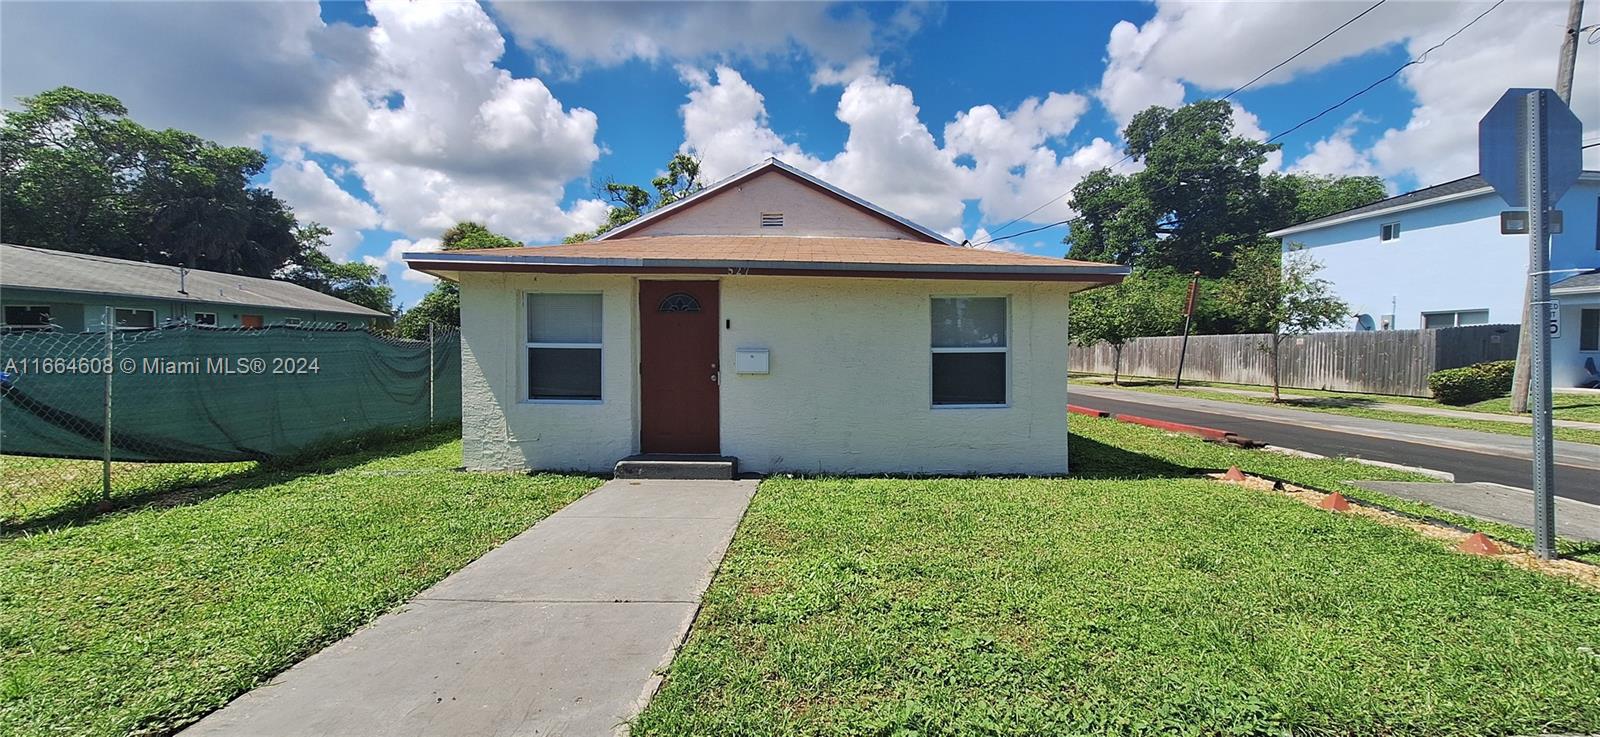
(1421, 58)
(1297, 54)
(1236, 91)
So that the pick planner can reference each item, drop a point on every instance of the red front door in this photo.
(678, 367)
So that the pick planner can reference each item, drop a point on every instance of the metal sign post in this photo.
(1529, 150)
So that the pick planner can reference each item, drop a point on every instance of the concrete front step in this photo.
(675, 466)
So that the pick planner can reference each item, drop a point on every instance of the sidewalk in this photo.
(1392, 407)
(561, 631)
(1580, 455)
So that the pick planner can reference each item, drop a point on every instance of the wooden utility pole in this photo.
(1569, 59)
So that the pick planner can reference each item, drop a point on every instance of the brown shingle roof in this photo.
(818, 256)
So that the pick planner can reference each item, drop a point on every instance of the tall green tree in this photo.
(441, 306)
(1282, 291)
(1200, 199)
(356, 282)
(468, 234)
(629, 201)
(77, 174)
(1146, 303)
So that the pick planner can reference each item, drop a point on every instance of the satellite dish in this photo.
(1364, 322)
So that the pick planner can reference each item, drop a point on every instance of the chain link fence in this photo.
(104, 415)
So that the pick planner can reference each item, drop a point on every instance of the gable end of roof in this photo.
(773, 165)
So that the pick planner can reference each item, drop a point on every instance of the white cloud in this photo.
(890, 158)
(314, 196)
(608, 34)
(1218, 46)
(401, 246)
(1337, 154)
(1004, 160)
(1126, 87)
(435, 131)
(1460, 82)
(725, 125)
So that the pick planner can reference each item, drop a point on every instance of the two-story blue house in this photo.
(1435, 258)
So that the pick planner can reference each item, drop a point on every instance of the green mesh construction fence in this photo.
(203, 394)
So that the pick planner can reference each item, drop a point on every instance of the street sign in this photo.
(1555, 319)
(1503, 138)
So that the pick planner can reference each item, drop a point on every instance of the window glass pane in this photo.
(1589, 330)
(1439, 320)
(563, 318)
(205, 318)
(135, 318)
(1474, 317)
(564, 373)
(27, 315)
(969, 378)
(969, 322)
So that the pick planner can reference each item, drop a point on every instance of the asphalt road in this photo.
(1580, 482)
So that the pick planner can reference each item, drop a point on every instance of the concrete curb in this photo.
(1205, 433)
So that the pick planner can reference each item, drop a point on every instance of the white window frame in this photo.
(1581, 349)
(30, 326)
(196, 319)
(1455, 317)
(1006, 349)
(292, 322)
(1383, 229)
(522, 328)
(115, 310)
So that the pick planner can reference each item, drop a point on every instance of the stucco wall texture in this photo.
(849, 390)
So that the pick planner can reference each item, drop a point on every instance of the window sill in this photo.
(562, 401)
(971, 406)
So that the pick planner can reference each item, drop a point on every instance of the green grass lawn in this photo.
(1128, 599)
(145, 619)
(1582, 408)
(39, 491)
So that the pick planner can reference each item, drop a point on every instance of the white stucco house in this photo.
(773, 318)
(1435, 258)
(1575, 353)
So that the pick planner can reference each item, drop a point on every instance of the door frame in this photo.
(639, 306)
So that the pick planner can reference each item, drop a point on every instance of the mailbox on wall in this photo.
(750, 361)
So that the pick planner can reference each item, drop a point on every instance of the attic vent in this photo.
(771, 219)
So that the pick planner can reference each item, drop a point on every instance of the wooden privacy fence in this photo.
(1373, 362)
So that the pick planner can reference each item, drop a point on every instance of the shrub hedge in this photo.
(1473, 383)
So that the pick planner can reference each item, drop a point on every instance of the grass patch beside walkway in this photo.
(1108, 603)
(143, 620)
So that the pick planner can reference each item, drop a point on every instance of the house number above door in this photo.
(679, 302)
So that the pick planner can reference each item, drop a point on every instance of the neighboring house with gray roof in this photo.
(1435, 257)
(40, 288)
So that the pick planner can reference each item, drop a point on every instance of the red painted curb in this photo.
(1081, 410)
(1209, 433)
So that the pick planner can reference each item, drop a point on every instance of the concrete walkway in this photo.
(561, 631)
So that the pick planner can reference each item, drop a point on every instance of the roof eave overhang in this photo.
(432, 262)
(354, 309)
(1587, 176)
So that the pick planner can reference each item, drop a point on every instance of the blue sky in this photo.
(389, 121)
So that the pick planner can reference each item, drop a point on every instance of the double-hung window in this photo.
(564, 347)
(970, 352)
